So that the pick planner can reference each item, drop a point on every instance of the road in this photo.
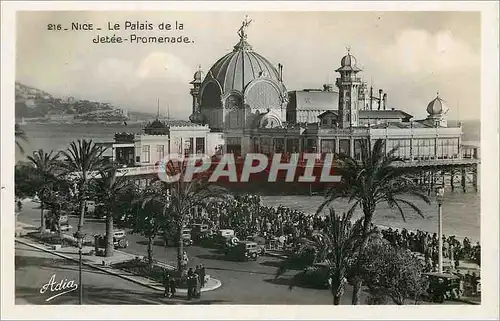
(242, 282)
(34, 269)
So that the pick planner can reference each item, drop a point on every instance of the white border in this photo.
(489, 174)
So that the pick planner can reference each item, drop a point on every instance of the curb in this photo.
(217, 285)
(469, 301)
(272, 254)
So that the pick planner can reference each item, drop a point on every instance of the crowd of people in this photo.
(195, 281)
(246, 215)
(427, 244)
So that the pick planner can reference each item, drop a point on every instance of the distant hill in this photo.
(35, 103)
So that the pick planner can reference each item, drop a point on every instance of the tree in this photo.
(375, 179)
(334, 248)
(45, 170)
(178, 197)
(83, 160)
(20, 136)
(148, 219)
(23, 176)
(392, 272)
(57, 202)
(111, 188)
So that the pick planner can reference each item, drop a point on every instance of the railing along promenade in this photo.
(416, 163)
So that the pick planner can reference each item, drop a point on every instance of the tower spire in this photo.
(158, 108)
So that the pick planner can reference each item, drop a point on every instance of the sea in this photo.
(461, 211)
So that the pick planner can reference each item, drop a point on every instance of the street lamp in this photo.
(440, 197)
(79, 235)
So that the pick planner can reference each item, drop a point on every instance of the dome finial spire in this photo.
(348, 49)
(242, 31)
(437, 93)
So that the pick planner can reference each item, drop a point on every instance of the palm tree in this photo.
(375, 179)
(149, 217)
(111, 189)
(20, 136)
(334, 249)
(45, 167)
(83, 159)
(179, 197)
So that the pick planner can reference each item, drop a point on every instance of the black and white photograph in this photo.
(212, 155)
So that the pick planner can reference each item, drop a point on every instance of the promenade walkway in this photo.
(102, 263)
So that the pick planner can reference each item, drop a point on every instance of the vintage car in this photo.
(223, 236)
(200, 232)
(444, 286)
(64, 223)
(119, 239)
(243, 251)
(261, 243)
(186, 237)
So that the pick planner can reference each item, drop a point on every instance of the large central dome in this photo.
(238, 68)
(241, 86)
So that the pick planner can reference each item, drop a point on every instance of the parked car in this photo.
(223, 236)
(119, 239)
(261, 243)
(186, 237)
(200, 232)
(64, 223)
(443, 286)
(243, 251)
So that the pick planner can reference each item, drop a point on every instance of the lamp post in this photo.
(440, 197)
(79, 236)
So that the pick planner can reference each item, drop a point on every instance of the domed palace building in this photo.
(241, 105)
(241, 93)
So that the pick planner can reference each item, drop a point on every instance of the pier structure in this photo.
(241, 106)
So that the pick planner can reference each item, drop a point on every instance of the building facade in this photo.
(242, 106)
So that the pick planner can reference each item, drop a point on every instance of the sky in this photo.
(410, 55)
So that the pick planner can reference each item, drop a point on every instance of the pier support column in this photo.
(432, 182)
(429, 183)
(452, 180)
(464, 174)
(474, 177)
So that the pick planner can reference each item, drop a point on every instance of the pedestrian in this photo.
(474, 282)
(190, 285)
(196, 285)
(197, 270)
(172, 286)
(185, 260)
(166, 283)
(202, 275)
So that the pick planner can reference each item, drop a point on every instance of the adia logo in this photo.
(57, 289)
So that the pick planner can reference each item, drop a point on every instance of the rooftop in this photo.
(374, 114)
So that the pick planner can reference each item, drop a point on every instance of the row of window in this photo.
(422, 148)
(189, 148)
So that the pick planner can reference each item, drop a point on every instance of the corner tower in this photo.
(196, 116)
(349, 86)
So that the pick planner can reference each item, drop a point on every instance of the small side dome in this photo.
(348, 61)
(198, 76)
(437, 106)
